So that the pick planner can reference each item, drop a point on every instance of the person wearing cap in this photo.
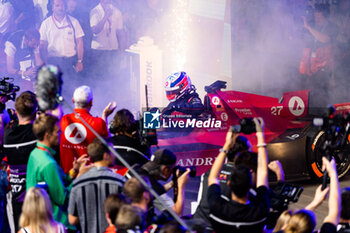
(160, 167)
(76, 136)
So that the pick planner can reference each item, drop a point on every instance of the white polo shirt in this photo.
(107, 38)
(60, 36)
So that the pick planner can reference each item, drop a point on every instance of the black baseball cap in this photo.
(163, 157)
(160, 157)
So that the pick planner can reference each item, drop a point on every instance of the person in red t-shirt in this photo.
(75, 135)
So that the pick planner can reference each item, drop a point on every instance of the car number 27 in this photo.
(276, 110)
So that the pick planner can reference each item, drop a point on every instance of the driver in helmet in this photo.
(182, 95)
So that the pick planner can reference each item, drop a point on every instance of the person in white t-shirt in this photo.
(61, 44)
(108, 40)
(61, 39)
(106, 22)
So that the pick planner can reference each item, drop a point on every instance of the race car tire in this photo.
(314, 156)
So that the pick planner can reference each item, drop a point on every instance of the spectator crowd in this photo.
(62, 178)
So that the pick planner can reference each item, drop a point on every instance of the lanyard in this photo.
(44, 149)
(63, 27)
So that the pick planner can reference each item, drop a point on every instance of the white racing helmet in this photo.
(177, 85)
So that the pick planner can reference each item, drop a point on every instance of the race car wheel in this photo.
(315, 154)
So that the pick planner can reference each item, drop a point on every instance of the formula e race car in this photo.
(291, 136)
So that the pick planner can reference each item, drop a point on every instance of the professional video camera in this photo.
(148, 136)
(285, 193)
(336, 128)
(246, 126)
(332, 122)
(7, 88)
(282, 194)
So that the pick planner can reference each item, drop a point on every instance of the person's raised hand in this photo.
(330, 166)
(230, 139)
(259, 124)
(82, 160)
(277, 168)
(183, 179)
(109, 109)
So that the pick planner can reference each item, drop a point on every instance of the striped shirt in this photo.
(88, 195)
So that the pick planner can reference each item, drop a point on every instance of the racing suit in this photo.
(189, 104)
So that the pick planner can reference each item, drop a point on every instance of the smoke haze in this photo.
(255, 46)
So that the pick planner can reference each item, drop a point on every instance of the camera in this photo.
(309, 15)
(291, 192)
(7, 88)
(336, 127)
(246, 126)
(282, 194)
(148, 136)
(182, 170)
(332, 121)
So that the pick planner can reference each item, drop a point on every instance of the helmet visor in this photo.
(171, 95)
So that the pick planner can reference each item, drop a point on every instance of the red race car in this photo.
(292, 139)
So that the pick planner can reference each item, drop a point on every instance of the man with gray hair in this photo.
(75, 135)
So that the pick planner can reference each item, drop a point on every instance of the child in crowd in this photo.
(112, 206)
